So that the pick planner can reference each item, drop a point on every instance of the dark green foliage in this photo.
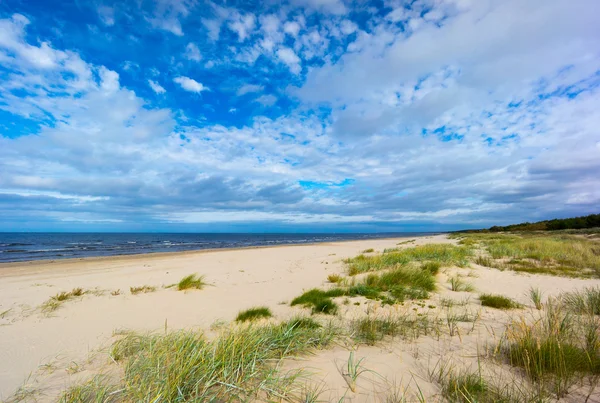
(498, 301)
(590, 221)
(253, 314)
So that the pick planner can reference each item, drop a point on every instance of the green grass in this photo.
(556, 351)
(443, 254)
(535, 294)
(392, 286)
(471, 387)
(370, 250)
(193, 281)
(142, 289)
(586, 301)
(372, 329)
(564, 255)
(498, 301)
(320, 301)
(254, 314)
(239, 364)
(458, 284)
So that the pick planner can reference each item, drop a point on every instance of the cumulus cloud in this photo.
(156, 87)
(192, 52)
(428, 113)
(289, 58)
(189, 84)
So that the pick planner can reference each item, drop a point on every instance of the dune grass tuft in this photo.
(498, 301)
(371, 329)
(370, 250)
(193, 281)
(586, 301)
(556, 351)
(458, 284)
(142, 289)
(535, 294)
(334, 278)
(56, 301)
(254, 314)
(237, 365)
(443, 254)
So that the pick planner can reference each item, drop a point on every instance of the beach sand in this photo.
(49, 352)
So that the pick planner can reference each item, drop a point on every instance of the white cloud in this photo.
(156, 87)
(242, 25)
(267, 100)
(192, 52)
(327, 6)
(289, 58)
(247, 88)
(190, 84)
(107, 15)
(292, 28)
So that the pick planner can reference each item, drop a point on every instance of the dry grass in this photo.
(142, 289)
(56, 301)
(564, 255)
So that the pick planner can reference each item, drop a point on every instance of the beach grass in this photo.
(193, 281)
(498, 301)
(240, 364)
(442, 254)
(254, 314)
(397, 285)
(142, 289)
(557, 350)
(334, 278)
(458, 284)
(535, 252)
(56, 301)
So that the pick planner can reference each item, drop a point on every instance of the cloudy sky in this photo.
(307, 115)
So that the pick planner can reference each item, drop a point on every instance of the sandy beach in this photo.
(52, 351)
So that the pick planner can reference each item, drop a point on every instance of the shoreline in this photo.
(149, 255)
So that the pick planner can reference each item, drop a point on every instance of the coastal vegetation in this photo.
(193, 281)
(238, 364)
(498, 301)
(56, 301)
(547, 253)
(440, 254)
(142, 289)
(254, 314)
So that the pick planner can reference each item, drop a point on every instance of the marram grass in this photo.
(238, 365)
(193, 281)
(254, 314)
(442, 254)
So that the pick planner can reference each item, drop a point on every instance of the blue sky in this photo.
(307, 115)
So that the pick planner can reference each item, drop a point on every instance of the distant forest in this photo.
(590, 221)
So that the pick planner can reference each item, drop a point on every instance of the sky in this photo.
(297, 116)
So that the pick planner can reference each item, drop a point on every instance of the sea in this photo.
(21, 246)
